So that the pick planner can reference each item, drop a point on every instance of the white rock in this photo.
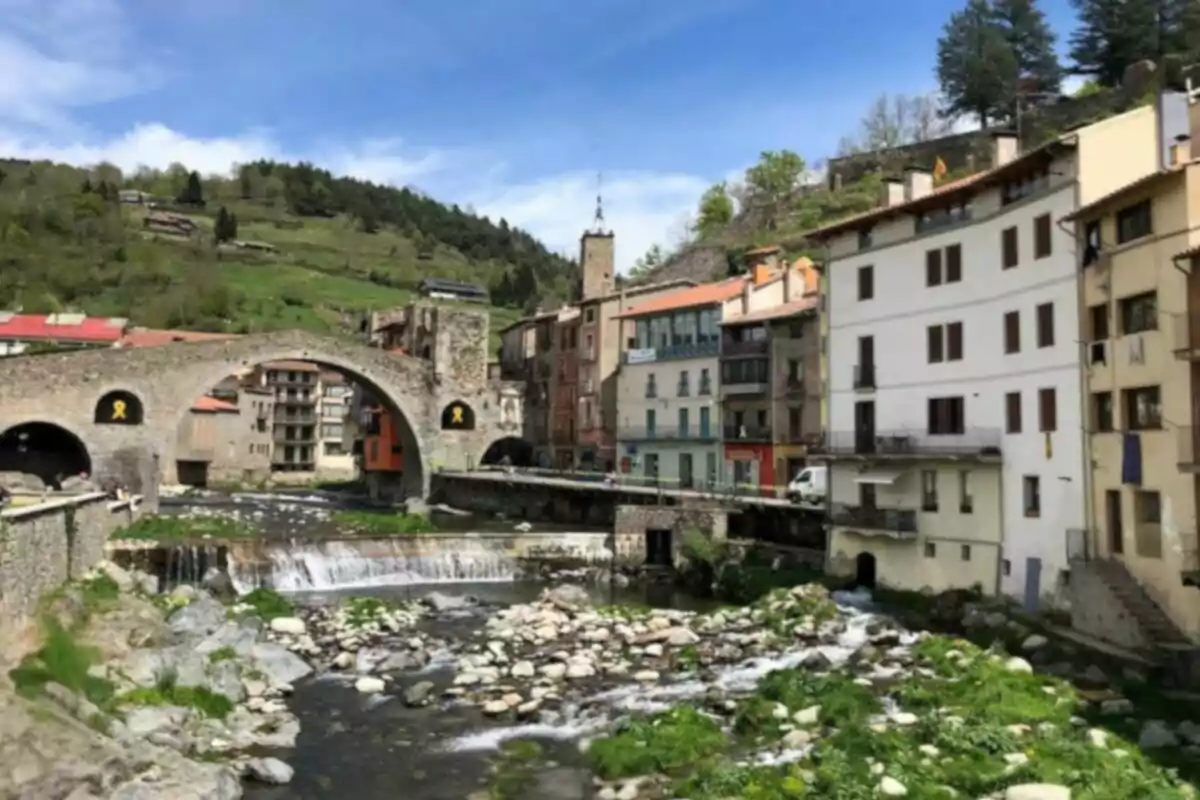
(1038, 791)
(369, 685)
(795, 739)
(554, 671)
(494, 708)
(523, 669)
(680, 637)
(1018, 665)
(269, 770)
(905, 718)
(890, 787)
(289, 625)
(580, 670)
(343, 660)
(645, 676)
(807, 716)
(1034, 641)
(653, 650)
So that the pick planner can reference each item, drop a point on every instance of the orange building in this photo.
(382, 450)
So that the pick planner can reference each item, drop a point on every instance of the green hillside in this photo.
(337, 247)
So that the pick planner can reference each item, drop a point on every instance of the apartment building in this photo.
(564, 389)
(954, 391)
(297, 399)
(793, 330)
(333, 459)
(1139, 251)
(670, 393)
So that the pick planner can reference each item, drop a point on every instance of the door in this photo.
(1033, 584)
(864, 426)
(686, 480)
(1116, 531)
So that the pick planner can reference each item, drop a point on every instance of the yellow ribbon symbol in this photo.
(456, 415)
(118, 409)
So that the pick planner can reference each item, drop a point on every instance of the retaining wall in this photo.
(43, 546)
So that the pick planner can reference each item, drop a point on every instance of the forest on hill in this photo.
(997, 63)
(271, 246)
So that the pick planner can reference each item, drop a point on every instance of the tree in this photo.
(646, 264)
(976, 66)
(716, 210)
(895, 121)
(1112, 34)
(1032, 42)
(225, 227)
(771, 182)
(193, 191)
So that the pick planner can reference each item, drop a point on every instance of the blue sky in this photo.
(511, 106)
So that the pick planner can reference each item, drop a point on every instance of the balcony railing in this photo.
(748, 433)
(294, 419)
(742, 386)
(864, 376)
(705, 387)
(1187, 439)
(645, 434)
(672, 352)
(973, 442)
(749, 348)
(897, 521)
(296, 400)
(811, 439)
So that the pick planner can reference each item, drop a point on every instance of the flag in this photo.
(939, 169)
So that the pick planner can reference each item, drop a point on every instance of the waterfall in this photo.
(332, 565)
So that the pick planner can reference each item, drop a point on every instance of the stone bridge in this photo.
(68, 390)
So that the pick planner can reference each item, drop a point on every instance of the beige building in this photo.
(334, 460)
(225, 439)
(1139, 250)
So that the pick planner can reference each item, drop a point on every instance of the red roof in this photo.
(208, 403)
(706, 294)
(61, 328)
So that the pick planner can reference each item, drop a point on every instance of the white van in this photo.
(809, 486)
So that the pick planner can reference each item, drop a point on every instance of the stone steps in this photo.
(1156, 624)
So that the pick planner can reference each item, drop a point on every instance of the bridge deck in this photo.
(598, 485)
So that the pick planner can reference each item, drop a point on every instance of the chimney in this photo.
(747, 291)
(1181, 151)
(893, 192)
(761, 273)
(917, 183)
(1004, 148)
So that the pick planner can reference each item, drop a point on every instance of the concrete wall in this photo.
(632, 523)
(43, 546)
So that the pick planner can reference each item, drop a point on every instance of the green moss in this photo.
(266, 604)
(226, 653)
(841, 701)
(666, 742)
(361, 611)
(382, 523)
(165, 529)
(167, 692)
(514, 773)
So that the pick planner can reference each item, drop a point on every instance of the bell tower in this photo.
(597, 254)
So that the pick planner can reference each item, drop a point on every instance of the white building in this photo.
(955, 434)
(333, 459)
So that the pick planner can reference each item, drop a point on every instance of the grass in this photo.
(167, 529)
(666, 742)
(62, 659)
(382, 523)
(167, 692)
(514, 773)
(266, 604)
(362, 611)
(225, 653)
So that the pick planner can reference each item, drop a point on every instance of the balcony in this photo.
(747, 433)
(645, 434)
(295, 400)
(282, 418)
(743, 387)
(587, 353)
(1189, 559)
(864, 376)
(671, 352)
(896, 523)
(794, 384)
(732, 349)
(1185, 336)
(811, 439)
(1188, 447)
(297, 438)
(975, 444)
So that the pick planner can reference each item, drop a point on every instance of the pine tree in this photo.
(1114, 34)
(976, 65)
(1032, 41)
(225, 226)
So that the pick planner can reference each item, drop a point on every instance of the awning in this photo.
(879, 478)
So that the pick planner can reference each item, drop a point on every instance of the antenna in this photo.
(598, 222)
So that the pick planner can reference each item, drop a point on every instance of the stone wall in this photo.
(632, 522)
(1097, 611)
(43, 546)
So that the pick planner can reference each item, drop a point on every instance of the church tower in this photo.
(597, 257)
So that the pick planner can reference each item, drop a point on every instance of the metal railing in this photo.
(748, 433)
(665, 434)
(282, 418)
(757, 347)
(896, 520)
(677, 351)
(972, 441)
(864, 376)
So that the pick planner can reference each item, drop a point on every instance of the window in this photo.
(966, 502)
(1047, 410)
(684, 388)
(1143, 411)
(954, 341)
(589, 315)
(1134, 222)
(965, 552)
(1042, 243)
(1102, 412)
(954, 263)
(946, 416)
(1045, 325)
(865, 238)
(651, 388)
(684, 423)
(705, 417)
(1006, 567)
(866, 282)
(1147, 521)
(930, 550)
(1012, 332)
(1012, 411)
(1032, 495)
(1098, 318)
(934, 343)
(1008, 248)
(933, 268)
(1138, 313)
(705, 382)
(929, 493)
(866, 495)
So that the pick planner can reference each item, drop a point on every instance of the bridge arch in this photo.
(47, 448)
(518, 451)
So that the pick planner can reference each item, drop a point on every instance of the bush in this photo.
(267, 604)
(61, 659)
(666, 742)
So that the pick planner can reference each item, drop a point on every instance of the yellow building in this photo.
(1140, 318)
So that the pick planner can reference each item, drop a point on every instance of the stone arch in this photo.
(519, 452)
(458, 416)
(119, 407)
(45, 448)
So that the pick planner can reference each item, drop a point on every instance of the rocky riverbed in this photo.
(801, 694)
